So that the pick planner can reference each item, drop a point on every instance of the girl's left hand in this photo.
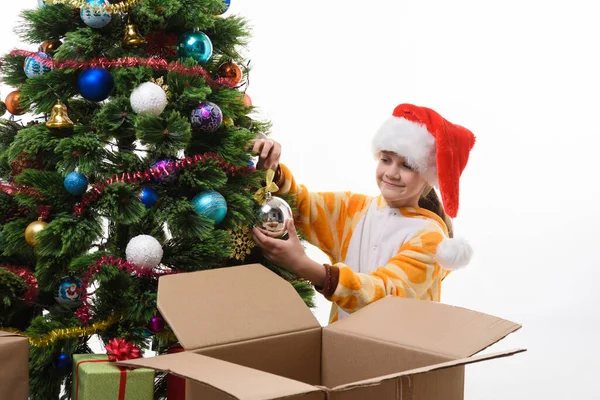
(288, 254)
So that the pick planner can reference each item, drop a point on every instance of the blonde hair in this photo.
(429, 200)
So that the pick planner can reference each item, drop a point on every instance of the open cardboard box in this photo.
(248, 335)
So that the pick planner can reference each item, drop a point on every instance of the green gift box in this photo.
(95, 377)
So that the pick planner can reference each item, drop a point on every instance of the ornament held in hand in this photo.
(148, 98)
(144, 251)
(274, 211)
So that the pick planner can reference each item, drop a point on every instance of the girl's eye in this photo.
(385, 160)
(408, 167)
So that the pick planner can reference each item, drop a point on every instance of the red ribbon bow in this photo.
(121, 350)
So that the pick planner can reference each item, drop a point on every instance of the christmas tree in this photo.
(134, 163)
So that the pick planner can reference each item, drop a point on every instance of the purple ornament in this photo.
(164, 171)
(207, 117)
(156, 324)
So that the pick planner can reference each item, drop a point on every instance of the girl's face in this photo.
(399, 184)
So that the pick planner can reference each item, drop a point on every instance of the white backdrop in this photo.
(524, 77)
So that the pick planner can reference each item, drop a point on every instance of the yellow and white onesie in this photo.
(375, 250)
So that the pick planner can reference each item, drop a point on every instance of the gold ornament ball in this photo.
(33, 229)
(228, 122)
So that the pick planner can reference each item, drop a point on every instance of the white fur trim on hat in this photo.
(453, 253)
(410, 140)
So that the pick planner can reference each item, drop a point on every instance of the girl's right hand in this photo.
(269, 153)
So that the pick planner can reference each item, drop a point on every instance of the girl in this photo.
(398, 243)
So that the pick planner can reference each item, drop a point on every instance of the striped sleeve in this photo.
(412, 272)
(325, 218)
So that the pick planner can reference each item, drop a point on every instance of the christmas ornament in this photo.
(32, 230)
(165, 172)
(242, 243)
(148, 196)
(148, 98)
(69, 292)
(95, 84)
(207, 117)
(133, 38)
(231, 71)
(2, 108)
(228, 122)
(12, 103)
(76, 183)
(156, 324)
(49, 46)
(226, 3)
(63, 362)
(195, 45)
(274, 212)
(211, 204)
(247, 100)
(95, 13)
(33, 67)
(59, 118)
(144, 251)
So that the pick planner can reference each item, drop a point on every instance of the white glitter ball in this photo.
(144, 251)
(148, 98)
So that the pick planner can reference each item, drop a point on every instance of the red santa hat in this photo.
(436, 148)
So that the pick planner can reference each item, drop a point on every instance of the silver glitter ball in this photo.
(274, 214)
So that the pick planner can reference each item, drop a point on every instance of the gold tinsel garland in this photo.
(123, 6)
(66, 333)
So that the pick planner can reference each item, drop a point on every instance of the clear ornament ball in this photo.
(144, 251)
(274, 215)
(148, 98)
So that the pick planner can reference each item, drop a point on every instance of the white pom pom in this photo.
(148, 98)
(454, 253)
(144, 251)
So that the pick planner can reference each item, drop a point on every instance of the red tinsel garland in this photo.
(27, 276)
(13, 189)
(127, 62)
(83, 312)
(160, 172)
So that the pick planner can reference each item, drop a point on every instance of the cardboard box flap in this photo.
(427, 326)
(9, 334)
(430, 368)
(235, 380)
(231, 304)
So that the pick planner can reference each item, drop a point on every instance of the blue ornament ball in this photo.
(76, 183)
(196, 45)
(95, 84)
(148, 196)
(211, 204)
(41, 3)
(207, 117)
(226, 4)
(68, 293)
(63, 363)
(95, 14)
(33, 67)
